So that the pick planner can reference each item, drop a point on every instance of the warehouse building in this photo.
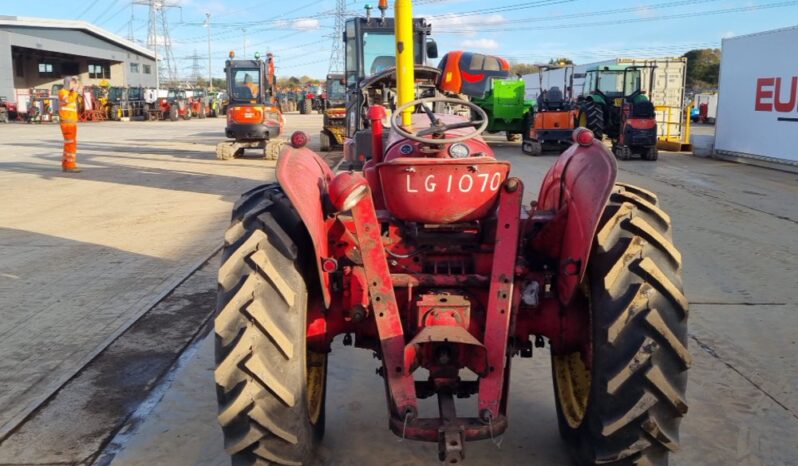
(36, 53)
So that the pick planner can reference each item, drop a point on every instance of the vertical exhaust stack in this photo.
(405, 65)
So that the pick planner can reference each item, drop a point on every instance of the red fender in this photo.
(575, 190)
(304, 177)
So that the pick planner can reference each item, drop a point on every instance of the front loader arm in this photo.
(574, 193)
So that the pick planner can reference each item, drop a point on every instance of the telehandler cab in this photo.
(430, 259)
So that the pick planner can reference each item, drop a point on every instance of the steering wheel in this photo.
(437, 127)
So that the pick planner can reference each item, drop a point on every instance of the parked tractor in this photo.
(614, 104)
(117, 105)
(486, 80)
(8, 110)
(430, 259)
(311, 99)
(371, 74)
(254, 120)
(555, 115)
(201, 104)
(334, 127)
(40, 107)
(174, 106)
(136, 99)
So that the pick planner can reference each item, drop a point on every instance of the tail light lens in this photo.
(299, 139)
(583, 136)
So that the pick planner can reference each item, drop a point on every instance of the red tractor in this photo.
(174, 106)
(431, 260)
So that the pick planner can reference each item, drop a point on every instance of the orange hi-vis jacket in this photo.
(68, 106)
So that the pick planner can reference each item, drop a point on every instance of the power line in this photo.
(625, 20)
(105, 11)
(112, 16)
(506, 8)
(617, 11)
(87, 9)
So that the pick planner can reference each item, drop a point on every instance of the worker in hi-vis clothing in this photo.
(68, 115)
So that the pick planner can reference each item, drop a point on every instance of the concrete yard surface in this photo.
(85, 255)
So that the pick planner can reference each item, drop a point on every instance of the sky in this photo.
(300, 32)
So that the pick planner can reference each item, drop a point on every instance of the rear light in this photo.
(329, 265)
(346, 190)
(299, 139)
(583, 137)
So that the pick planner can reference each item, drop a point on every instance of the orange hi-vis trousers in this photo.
(69, 159)
(68, 113)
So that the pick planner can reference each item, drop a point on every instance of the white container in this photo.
(665, 90)
(754, 119)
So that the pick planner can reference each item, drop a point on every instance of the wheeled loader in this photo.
(555, 114)
(431, 260)
(254, 120)
(614, 104)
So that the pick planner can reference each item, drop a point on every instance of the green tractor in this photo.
(614, 104)
(486, 80)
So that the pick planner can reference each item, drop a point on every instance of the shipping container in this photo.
(666, 90)
(758, 105)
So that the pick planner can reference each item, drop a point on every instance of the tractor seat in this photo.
(644, 109)
(382, 63)
(552, 99)
(243, 92)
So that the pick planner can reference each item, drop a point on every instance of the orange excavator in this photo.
(254, 119)
(555, 116)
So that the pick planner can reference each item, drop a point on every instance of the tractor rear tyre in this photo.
(173, 113)
(325, 144)
(651, 154)
(626, 408)
(591, 116)
(306, 108)
(270, 387)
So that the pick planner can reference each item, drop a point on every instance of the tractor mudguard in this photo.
(304, 177)
(575, 190)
